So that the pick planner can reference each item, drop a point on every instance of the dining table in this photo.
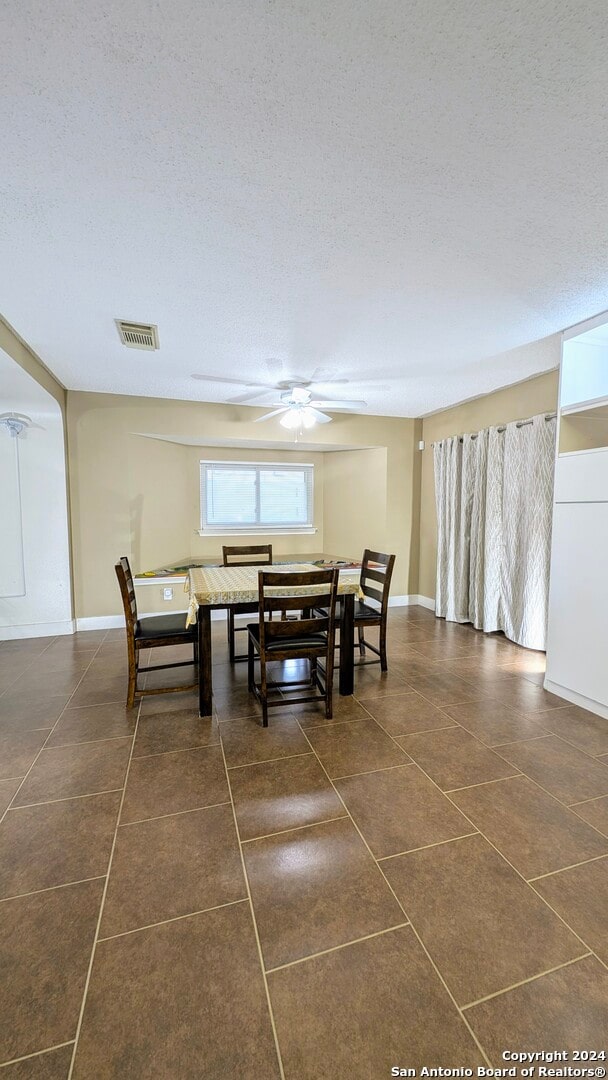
(213, 588)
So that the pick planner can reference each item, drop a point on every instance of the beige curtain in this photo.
(494, 495)
(453, 487)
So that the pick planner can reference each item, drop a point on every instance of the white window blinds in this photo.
(247, 497)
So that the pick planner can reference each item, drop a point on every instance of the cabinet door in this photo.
(577, 651)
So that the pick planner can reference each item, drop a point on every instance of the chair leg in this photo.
(263, 692)
(328, 694)
(361, 632)
(250, 666)
(382, 645)
(132, 678)
(231, 642)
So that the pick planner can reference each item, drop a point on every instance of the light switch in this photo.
(167, 594)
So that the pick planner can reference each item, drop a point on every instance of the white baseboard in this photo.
(51, 629)
(413, 598)
(117, 622)
(427, 602)
(101, 622)
(577, 699)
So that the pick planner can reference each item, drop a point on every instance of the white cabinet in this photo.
(577, 650)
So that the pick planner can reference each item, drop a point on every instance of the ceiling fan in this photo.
(297, 406)
(300, 410)
(258, 389)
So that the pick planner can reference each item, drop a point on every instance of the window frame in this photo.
(257, 528)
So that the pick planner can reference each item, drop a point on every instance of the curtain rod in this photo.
(520, 423)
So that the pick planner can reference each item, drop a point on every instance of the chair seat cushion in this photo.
(364, 611)
(164, 626)
(299, 641)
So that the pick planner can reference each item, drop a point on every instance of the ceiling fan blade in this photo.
(269, 415)
(245, 398)
(236, 382)
(328, 403)
(318, 376)
(320, 417)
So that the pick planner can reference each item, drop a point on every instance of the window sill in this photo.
(308, 531)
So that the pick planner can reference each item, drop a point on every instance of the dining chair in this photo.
(243, 555)
(375, 585)
(310, 636)
(366, 614)
(153, 632)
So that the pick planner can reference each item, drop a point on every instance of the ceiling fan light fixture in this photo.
(291, 419)
(307, 420)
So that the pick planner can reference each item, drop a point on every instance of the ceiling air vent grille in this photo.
(138, 335)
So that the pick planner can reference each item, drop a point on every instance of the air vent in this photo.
(138, 335)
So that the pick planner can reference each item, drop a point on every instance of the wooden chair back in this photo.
(316, 611)
(375, 584)
(247, 555)
(127, 591)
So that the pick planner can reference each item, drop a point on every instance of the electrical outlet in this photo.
(167, 594)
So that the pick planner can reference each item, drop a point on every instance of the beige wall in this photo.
(515, 402)
(140, 496)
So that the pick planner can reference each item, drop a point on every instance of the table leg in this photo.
(205, 689)
(347, 643)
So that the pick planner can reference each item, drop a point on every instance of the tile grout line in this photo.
(37, 1053)
(176, 813)
(572, 866)
(294, 828)
(337, 948)
(482, 783)
(86, 742)
(175, 918)
(525, 982)
(103, 899)
(538, 718)
(179, 750)
(424, 847)
(583, 802)
(370, 772)
(390, 887)
(254, 922)
(264, 761)
(422, 731)
(51, 888)
(65, 798)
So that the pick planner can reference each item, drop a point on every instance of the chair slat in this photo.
(375, 575)
(374, 593)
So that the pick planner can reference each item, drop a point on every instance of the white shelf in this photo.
(582, 406)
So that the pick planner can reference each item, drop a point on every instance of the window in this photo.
(240, 496)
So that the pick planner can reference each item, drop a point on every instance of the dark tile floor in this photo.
(422, 880)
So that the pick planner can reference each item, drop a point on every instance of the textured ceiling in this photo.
(394, 193)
